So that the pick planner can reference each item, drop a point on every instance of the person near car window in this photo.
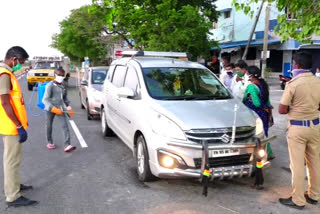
(57, 105)
(230, 75)
(257, 99)
(240, 80)
(225, 61)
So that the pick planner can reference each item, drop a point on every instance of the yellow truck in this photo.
(42, 71)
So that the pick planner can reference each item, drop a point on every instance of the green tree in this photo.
(161, 25)
(305, 24)
(81, 35)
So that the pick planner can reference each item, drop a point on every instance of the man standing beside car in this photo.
(13, 125)
(301, 101)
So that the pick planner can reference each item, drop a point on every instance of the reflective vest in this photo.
(7, 127)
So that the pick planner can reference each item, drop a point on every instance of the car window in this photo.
(47, 65)
(131, 80)
(98, 76)
(118, 76)
(183, 83)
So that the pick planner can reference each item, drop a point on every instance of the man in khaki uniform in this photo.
(13, 122)
(301, 101)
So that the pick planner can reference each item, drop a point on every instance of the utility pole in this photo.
(265, 41)
(252, 30)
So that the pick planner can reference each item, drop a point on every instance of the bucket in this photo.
(41, 90)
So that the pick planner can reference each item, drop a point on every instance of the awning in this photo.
(242, 44)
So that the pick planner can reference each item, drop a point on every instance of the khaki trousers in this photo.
(11, 165)
(304, 147)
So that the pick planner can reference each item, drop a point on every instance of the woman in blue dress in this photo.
(257, 99)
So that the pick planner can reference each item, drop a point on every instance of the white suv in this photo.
(162, 108)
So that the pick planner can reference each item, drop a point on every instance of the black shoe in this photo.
(270, 158)
(310, 200)
(25, 187)
(288, 202)
(22, 201)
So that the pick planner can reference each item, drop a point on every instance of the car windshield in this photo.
(183, 84)
(98, 76)
(46, 65)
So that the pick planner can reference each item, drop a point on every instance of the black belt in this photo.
(305, 123)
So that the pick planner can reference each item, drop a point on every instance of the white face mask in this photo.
(318, 75)
(59, 79)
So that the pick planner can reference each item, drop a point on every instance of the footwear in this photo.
(69, 148)
(310, 200)
(271, 158)
(22, 201)
(51, 146)
(288, 202)
(25, 187)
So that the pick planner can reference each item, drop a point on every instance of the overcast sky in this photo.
(31, 23)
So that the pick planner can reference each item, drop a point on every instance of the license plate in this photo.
(223, 152)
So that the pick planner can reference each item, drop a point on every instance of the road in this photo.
(102, 177)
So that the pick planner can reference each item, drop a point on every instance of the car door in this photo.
(113, 99)
(129, 107)
(84, 87)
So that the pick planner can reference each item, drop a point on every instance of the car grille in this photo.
(41, 74)
(220, 136)
(216, 162)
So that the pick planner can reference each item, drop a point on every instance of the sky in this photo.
(31, 24)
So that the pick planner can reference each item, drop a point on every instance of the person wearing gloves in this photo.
(13, 125)
(57, 105)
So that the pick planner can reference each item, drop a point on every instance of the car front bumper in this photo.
(34, 80)
(190, 153)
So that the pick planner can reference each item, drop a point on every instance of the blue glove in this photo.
(22, 134)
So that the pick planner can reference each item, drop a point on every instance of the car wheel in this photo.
(30, 87)
(89, 116)
(142, 159)
(106, 131)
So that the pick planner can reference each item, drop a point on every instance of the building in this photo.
(232, 31)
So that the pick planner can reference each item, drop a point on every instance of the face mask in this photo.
(240, 74)
(318, 75)
(230, 73)
(59, 79)
(17, 67)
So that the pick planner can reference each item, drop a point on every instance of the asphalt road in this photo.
(102, 177)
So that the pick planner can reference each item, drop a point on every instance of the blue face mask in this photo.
(230, 73)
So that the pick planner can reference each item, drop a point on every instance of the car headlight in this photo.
(51, 74)
(30, 74)
(164, 126)
(259, 127)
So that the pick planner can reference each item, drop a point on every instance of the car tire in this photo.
(106, 131)
(30, 87)
(142, 161)
(89, 116)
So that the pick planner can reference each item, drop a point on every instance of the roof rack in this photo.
(154, 54)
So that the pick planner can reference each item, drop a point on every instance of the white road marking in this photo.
(275, 90)
(78, 134)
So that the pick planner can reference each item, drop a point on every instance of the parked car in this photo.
(90, 90)
(162, 108)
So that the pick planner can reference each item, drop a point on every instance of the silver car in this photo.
(165, 110)
(90, 90)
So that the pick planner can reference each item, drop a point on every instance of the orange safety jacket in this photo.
(7, 127)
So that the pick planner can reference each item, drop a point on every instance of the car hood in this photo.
(204, 114)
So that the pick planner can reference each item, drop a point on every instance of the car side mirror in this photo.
(125, 92)
(84, 83)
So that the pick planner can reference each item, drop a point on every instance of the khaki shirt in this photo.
(302, 95)
(5, 82)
